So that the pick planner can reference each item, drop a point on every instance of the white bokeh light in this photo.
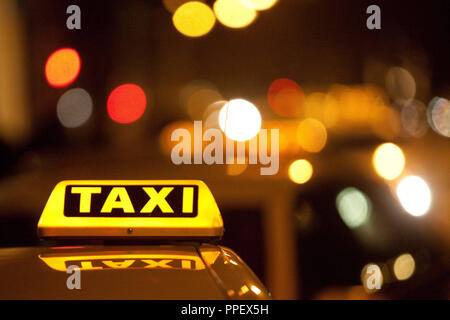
(439, 116)
(240, 120)
(74, 108)
(353, 206)
(414, 195)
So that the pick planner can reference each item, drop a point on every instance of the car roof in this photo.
(159, 271)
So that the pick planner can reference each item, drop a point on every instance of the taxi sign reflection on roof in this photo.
(131, 209)
(128, 261)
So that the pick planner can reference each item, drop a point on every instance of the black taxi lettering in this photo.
(131, 201)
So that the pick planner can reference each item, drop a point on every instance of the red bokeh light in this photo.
(285, 97)
(62, 67)
(126, 103)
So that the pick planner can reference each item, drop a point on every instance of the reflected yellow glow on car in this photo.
(139, 260)
(255, 289)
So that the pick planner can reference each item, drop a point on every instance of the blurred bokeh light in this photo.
(194, 19)
(414, 118)
(62, 67)
(259, 4)
(311, 135)
(74, 108)
(414, 195)
(126, 103)
(400, 85)
(198, 102)
(323, 107)
(234, 13)
(353, 206)
(439, 116)
(211, 114)
(404, 266)
(285, 97)
(196, 96)
(300, 171)
(16, 116)
(240, 120)
(388, 161)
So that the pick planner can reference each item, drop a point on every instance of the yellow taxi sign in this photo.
(181, 209)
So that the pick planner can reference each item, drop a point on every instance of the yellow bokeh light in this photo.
(311, 135)
(194, 19)
(389, 161)
(240, 120)
(259, 4)
(404, 266)
(300, 171)
(233, 13)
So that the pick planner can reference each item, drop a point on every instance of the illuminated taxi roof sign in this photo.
(181, 209)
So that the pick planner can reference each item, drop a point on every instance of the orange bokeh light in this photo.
(285, 97)
(126, 103)
(62, 67)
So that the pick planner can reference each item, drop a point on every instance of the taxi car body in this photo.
(128, 240)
